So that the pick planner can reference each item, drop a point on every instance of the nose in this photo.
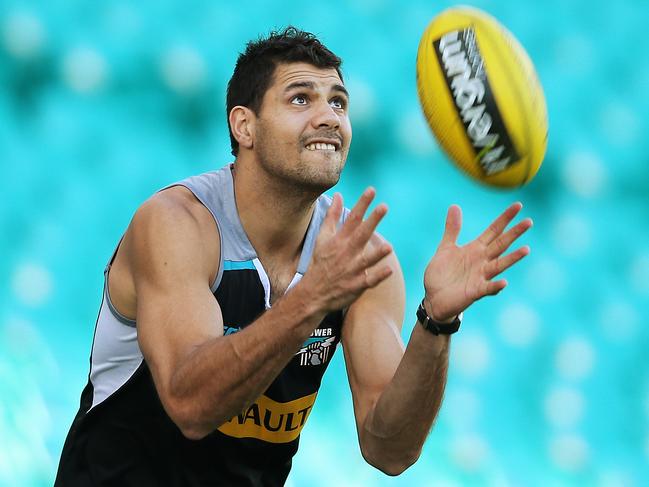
(325, 117)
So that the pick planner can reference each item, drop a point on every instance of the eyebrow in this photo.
(311, 86)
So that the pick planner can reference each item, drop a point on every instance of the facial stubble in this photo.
(296, 167)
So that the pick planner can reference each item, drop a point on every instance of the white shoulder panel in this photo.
(115, 355)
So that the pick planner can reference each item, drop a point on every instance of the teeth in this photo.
(321, 146)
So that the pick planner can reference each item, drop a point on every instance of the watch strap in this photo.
(435, 327)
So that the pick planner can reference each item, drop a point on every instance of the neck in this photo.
(274, 217)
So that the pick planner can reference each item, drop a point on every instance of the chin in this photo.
(319, 185)
(307, 176)
(327, 179)
(316, 176)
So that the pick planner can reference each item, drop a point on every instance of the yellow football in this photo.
(482, 97)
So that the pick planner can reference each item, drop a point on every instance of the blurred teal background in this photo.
(102, 103)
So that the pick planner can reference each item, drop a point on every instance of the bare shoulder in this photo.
(165, 229)
(172, 228)
(174, 223)
(174, 207)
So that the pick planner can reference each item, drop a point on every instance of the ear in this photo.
(242, 124)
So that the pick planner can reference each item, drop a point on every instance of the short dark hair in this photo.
(253, 73)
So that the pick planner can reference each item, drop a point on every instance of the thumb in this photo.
(453, 225)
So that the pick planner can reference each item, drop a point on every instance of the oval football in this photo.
(482, 97)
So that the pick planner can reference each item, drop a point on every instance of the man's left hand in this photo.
(458, 276)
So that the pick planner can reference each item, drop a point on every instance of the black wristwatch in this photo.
(435, 327)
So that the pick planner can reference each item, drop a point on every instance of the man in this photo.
(229, 291)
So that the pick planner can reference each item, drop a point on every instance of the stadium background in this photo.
(103, 103)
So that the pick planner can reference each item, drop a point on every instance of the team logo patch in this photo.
(315, 350)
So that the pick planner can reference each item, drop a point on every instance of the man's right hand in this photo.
(346, 260)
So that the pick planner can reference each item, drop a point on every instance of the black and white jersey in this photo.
(121, 434)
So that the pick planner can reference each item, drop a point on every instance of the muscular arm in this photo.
(396, 395)
(396, 428)
(202, 377)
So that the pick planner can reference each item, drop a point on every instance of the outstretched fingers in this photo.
(367, 228)
(499, 224)
(373, 256)
(494, 287)
(501, 243)
(355, 217)
(368, 263)
(453, 225)
(333, 213)
(501, 264)
(375, 276)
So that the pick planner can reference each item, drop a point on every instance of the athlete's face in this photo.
(302, 132)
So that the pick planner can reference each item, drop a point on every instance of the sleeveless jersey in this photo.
(121, 434)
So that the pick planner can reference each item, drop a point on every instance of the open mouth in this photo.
(326, 145)
(321, 146)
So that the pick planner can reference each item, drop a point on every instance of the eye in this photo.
(299, 100)
(338, 103)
